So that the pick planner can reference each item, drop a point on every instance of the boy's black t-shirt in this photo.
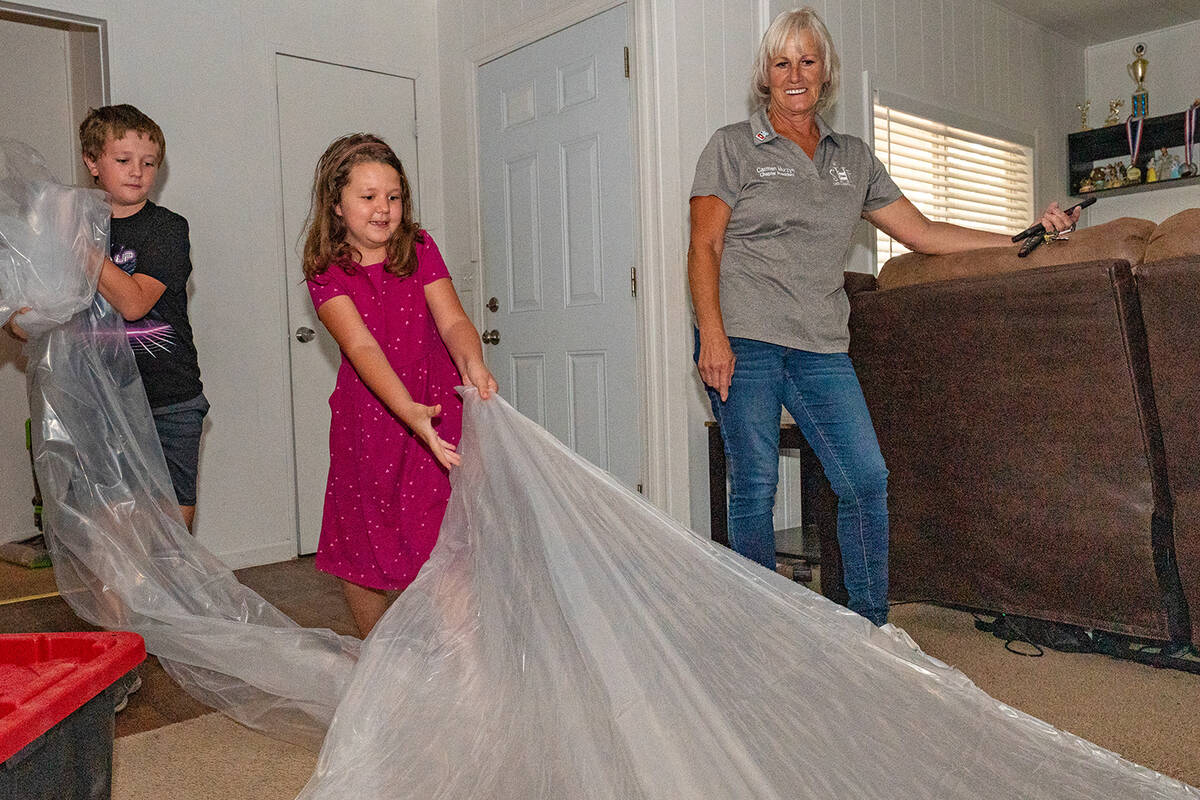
(154, 242)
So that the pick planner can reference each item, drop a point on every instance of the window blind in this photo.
(953, 175)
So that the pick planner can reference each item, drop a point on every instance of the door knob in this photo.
(493, 305)
(491, 337)
(305, 334)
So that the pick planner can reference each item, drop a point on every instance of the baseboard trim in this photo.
(257, 556)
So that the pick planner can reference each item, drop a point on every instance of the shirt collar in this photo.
(762, 131)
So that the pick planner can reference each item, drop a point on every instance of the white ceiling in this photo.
(1095, 21)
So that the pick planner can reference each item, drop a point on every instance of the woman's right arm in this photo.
(710, 216)
(341, 318)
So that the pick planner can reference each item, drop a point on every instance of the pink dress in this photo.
(386, 493)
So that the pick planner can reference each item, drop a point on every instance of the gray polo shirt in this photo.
(790, 228)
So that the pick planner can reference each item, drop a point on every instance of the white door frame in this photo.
(100, 25)
(664, 327)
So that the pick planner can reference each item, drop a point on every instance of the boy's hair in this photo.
(114, 122)
(325, 242)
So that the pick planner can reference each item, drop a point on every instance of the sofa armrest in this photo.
(1169, 292)
(856, 282)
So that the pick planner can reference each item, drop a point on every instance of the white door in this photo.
(557, 205)
(319, 102)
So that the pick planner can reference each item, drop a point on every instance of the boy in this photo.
(145, 280)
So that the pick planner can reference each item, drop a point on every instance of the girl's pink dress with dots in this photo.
(386, 493)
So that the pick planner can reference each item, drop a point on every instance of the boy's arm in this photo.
(132, 295)
(13, 329)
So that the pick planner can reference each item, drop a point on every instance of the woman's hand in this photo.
(716, 363)
(1055, 220)
(13, 329)
(479, 376)
(419, 419)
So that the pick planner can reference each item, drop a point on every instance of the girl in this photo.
(381, 288)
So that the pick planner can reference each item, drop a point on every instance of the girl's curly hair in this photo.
(325, 242)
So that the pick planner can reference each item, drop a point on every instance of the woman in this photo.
(773, 207)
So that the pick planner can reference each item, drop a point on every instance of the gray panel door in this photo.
(557, 204)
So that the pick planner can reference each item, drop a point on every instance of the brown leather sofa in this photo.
(1040, 419)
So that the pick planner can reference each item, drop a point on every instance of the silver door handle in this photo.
(305, 334)
(491, 337)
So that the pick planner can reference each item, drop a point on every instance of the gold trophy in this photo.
(1114, 112)
(1140, 103)
(1083, 112)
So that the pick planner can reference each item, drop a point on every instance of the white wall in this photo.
(1173, 81)
(33, 74)
(205, 73)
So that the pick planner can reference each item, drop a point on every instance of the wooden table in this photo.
(818, 504)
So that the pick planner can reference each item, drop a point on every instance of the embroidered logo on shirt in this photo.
(761, 136)
(126, 259)
(776, 172)
(841, 175)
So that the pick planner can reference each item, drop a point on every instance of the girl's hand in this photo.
(13, 329)
(419, 419)
(479, 376)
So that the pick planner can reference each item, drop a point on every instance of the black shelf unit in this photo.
(1085, 148)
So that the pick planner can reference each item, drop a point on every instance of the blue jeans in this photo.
(822, 393)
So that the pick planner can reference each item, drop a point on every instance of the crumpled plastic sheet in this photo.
(123, 558)
(569, 640)
(61, 229)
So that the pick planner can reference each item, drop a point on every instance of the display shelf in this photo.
(1085, 148)
(1134, 188)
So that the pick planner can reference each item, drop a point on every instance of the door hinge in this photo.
(640, 491)
(633, 281)
(626, 62)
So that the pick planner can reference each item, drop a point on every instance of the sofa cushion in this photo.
(1175, 236)
(1123, 238)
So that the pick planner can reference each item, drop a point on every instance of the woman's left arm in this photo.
(459, 335)
(905, 223)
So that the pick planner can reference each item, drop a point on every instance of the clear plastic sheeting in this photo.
(122, 556)
(62, 230)
(568, 640)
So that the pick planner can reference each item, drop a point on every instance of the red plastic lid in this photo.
(46, 676)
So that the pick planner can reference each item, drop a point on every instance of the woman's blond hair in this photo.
(787, 25)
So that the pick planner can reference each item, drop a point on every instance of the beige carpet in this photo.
(1145, 714)
(205, 758)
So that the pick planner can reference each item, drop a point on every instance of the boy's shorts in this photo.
(179, 426)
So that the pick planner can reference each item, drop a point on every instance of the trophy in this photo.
(1083, 112)
(1140, 103)
(1114, 112)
